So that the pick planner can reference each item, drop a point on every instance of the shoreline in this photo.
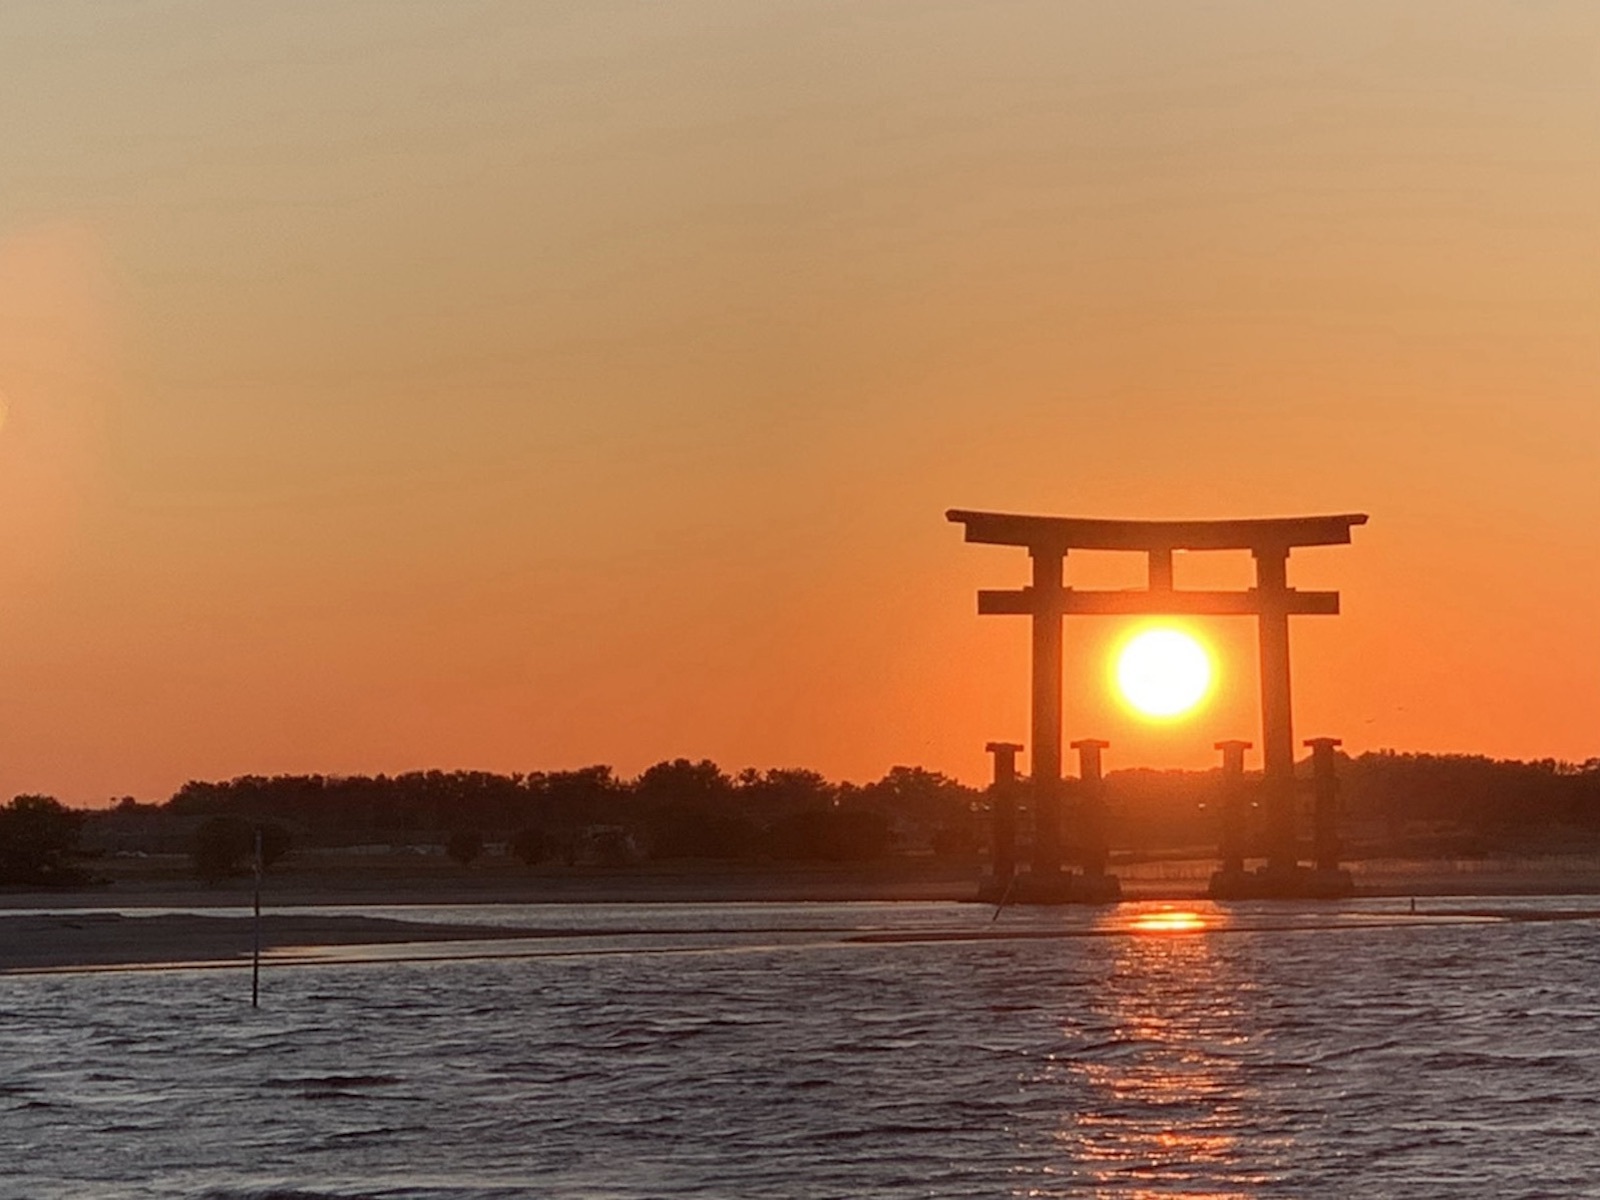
(336, 881)
(120, 926)
(94, 942)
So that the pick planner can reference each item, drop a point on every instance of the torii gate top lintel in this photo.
(1262, 534)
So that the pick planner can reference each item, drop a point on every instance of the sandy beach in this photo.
(122, 922)
(32, 942)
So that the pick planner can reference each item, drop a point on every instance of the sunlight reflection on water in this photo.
(1166, 1087)
(1169, 921)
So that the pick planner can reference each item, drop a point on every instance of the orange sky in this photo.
(520, 386)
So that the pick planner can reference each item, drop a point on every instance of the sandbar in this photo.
(32, 942)
(103, 926)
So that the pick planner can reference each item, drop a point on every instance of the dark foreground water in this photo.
(755, 1051)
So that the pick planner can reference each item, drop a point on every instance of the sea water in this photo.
(836, 1050)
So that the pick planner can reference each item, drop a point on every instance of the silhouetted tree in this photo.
(683, 782)
(786, 790)
(226, 845)
(956, 840)
(689, 811)
(464, 845)
(568, 802)
(830, 835)
(700, 831)
(916, 794)
(38, 835)
(530, 846)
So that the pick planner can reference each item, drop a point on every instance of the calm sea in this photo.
(839, 1050)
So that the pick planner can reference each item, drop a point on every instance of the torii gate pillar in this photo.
(1048, 570)
(1277, 721)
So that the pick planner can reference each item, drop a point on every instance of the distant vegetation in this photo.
(38, 837)
(1411, 805)
(1391, 805)
(226, 844)
(673, 811)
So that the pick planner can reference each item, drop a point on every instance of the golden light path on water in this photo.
(1164, 1084)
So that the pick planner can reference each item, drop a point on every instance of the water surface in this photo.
(834, 1050)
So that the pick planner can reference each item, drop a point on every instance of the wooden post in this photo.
(1003, 809)
(1048, 565)
(255, 958)
(1325, 813)
(1091, 785)
(1231, 850)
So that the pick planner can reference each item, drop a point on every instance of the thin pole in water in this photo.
(255, 960)
(1003, 898)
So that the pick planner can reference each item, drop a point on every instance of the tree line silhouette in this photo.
(1393, 803)
(678, 809)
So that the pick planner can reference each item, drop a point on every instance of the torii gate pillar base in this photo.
(1277, 883)
(1059, 888)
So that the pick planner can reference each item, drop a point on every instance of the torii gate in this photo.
(1047, 600)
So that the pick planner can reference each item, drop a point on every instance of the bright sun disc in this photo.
(1163, 672)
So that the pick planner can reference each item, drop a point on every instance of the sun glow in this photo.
(1169, 921)
(1163, 672)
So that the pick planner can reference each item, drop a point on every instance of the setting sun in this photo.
(1163, 672)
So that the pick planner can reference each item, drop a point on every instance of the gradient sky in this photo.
(525, 385)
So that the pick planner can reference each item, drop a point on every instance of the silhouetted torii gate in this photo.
(1047, 600)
